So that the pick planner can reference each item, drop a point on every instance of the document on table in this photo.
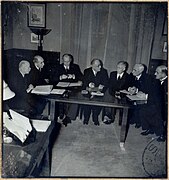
(124, 91)
(74, 84)
(58, 91)
(63, 84)
(40, 125)
(136, 98)
(97, 94)
(44, 89)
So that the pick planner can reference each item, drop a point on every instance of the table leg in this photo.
(123, 127)
(52, 110)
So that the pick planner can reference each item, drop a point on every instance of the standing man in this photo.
(119, 80)
(36, 75)
(94, 77)
(161, 75)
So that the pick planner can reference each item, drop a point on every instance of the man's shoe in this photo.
(137, 126)
(161, 138)
(66, 121)
(107, 120)
(147, 132)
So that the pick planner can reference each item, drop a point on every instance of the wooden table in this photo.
(26, 161)
(105, 101)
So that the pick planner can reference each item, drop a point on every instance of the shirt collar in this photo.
(138, 77)
(66, 67)
(37, 67)
(162, 80)
(120, 75)
(94, 72)
(22, 74)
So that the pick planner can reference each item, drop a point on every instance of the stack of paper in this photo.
(75, 84)
(45, 89)
(63, 84)
(40, 125)
(97, 94)
(136, 98)
(19, 125)
(58, 91)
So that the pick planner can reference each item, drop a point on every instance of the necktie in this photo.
(118, 78)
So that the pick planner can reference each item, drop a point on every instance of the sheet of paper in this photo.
(19, 125)
(58, 91)
(63, 84)
(74, 84)
(136, 98)
(40, 125)
(45, 89)
(97, 94)
(124, 91)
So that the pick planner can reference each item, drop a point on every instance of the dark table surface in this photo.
(20, 161)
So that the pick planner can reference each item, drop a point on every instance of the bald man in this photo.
(37, 76)
(20, 85)
(94, 77)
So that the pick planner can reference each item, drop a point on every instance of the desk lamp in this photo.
(7, 93)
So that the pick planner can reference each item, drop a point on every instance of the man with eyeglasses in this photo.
(95, 77)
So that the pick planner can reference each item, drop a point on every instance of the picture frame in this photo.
(37, 15)
(165, 47)
(34, 38)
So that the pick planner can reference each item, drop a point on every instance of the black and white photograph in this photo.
(84, 89)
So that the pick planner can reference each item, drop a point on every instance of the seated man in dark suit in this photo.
(20, 85)
(94, 77)
(68, 71)
(139, 81)
(37, 77)
(119, 80)
(148, 113)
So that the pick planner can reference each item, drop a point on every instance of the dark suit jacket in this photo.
(100, 78)
(73, 69)
(161, 91)
(36, 77)
(19, 85)
(116, 85)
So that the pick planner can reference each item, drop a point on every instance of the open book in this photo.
(44, 89)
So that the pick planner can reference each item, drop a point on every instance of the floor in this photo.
(94, 151)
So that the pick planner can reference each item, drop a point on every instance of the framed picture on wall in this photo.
(34, 38)
(37, 15)
(165, 47)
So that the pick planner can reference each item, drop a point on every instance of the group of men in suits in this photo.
(24, 80)
(149, 115)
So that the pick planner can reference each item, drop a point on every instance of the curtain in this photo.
(111, 32)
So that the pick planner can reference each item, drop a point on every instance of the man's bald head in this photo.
(24, 67)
